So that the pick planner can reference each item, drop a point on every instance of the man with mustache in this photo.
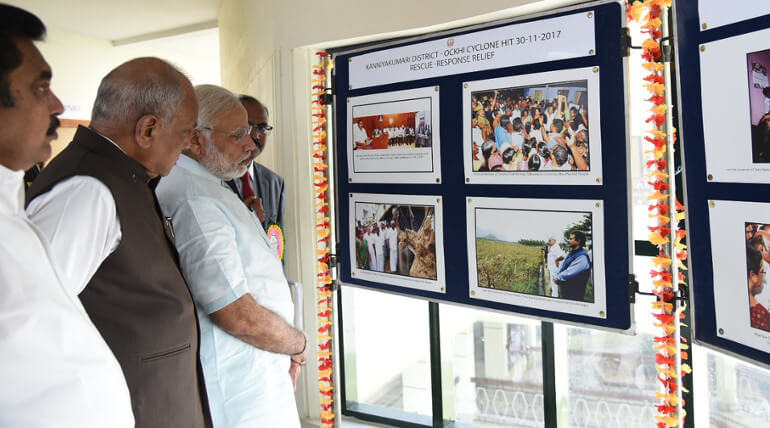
(56, 369)
(251, 354)
(261, 189)
(96, 203)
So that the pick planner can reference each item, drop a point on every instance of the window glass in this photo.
(386, 355)
(491, 368)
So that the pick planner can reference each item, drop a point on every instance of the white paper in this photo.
(716, 13)
(569, 36)
(590, 77)
(369, 208)
(726, 109)
(728, 257)
(534, 219)
(411, 157)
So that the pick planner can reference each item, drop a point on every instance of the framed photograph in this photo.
(736, 108)
(394, 137)
(397, 240)
(533, 129)
(538, 253)
(741, 264)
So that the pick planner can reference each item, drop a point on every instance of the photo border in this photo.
(732, 314)
(439, 284)
(591, 177)
(597, 309)
(434, 176)
(725, 98)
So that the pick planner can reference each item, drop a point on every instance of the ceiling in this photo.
(117, 20)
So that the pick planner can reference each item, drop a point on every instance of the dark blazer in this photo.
(137, 298)
(270, 187)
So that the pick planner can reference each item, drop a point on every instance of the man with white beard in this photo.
(555, 257)
(251, 353)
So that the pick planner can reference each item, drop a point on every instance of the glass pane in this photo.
(606, 379)
(491, 368)
(386, 355)
(729, 392)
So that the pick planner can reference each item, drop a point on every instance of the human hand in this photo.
(255, 204)
(294, 370)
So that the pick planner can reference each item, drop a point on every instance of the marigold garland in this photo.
(669, 354)
(323, 243)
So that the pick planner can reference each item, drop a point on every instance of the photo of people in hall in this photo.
(757, 267)
(759, 100)
(531, 128)
(543, 253)
(396, 239)
(407, 130)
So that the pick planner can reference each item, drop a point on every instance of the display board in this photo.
(488, 166)
(723, 54)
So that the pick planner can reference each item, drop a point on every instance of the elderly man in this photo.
(251, 354)
(261, 189)
(56, 369)
(555, 255)
(112, 245)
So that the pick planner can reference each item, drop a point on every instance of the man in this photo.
(96, 203)
(361, 139)
(393, 246)
(555, 257)
(251, 354)
(371, 239)
(379, 246)
(265, 193)
(56, 369)
(575, 269)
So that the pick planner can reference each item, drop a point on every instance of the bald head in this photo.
(139, 87)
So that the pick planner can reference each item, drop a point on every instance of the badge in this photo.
(275, 239)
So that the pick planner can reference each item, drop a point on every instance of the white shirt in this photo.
(477, 137)
(224, 254)
(56, 369)
(554, 252)
(359, 135)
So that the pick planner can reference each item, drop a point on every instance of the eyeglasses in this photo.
(238, 134)
(262, 128)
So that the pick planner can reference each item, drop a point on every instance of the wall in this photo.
(267, 48)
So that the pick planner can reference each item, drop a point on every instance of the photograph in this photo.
(543, 253)
(397, 240)
(540, 127)
(757, 267)
(393, 137)
(406, 130)
(759, 102)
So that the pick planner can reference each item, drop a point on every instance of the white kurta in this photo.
(224, 254)
(370, 242)
(554, 252)
(56, 369)
(393, 245)
(379, 247)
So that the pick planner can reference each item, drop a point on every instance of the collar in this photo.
(11, 191)
(192, 166)
(95, 142)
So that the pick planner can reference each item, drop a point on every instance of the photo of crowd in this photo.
(757, 267)
(396, 239)
(543, 253)
(759, 101)
(392, 131)
(531, 128)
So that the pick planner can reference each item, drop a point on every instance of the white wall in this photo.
(79, 63)
(267, 48)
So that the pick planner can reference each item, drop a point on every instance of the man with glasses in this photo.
(250, 352)
(261, 189)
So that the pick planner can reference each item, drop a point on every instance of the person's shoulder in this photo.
(267, 172)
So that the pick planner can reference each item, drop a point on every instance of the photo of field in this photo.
(525, 251)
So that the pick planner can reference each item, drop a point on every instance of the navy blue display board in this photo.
(693, 39)
(613, 192)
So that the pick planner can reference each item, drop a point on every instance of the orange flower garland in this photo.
(668, 263)
(323, 243)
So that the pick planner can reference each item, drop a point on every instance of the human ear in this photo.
(145, 130)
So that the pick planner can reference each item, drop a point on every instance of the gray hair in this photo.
(140, 87)
(212, 101)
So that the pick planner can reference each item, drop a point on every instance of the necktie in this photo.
(248, 191)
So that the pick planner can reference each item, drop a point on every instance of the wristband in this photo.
(304, 346)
